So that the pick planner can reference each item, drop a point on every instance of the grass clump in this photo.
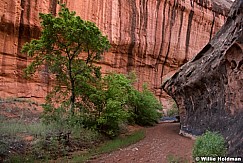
(13, 127)
(210, 144)
(47, 141)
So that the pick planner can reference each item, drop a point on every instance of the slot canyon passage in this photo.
(209, 88)
(155, 39)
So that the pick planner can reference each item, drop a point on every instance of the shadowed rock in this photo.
(209, 89)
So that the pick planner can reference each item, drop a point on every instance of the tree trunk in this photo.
(72, 81)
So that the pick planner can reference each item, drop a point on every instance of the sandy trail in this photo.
(160, 142)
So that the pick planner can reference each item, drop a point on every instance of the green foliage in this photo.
(68, 48)
(111, 117)
(59, 49)
(118, 102)
(144, 107)
(209, 144)
(50, 147)
(111, 100)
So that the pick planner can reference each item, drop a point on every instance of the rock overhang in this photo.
(209, 88)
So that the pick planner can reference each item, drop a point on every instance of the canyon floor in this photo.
(162, 144)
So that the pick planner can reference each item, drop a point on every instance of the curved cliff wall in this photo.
(150, 37)
(208, 88)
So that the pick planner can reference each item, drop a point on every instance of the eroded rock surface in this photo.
(151, 37)
(209, 88)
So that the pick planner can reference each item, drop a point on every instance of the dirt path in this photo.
(160, 142)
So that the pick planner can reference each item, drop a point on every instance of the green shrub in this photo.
(51, 114)
(110, 102)
(145, 107)
(119, 102)
(210, 144)
(111, 118)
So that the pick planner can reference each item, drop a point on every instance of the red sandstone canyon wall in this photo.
(150, 37)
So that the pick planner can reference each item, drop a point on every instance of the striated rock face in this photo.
(209, 88)
(151, 37)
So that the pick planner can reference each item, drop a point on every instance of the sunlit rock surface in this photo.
(209, 88)
(151, 37)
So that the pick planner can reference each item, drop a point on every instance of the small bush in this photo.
(145, 107)
(209, 144)
(117, 102)
(111, 118)
(110, 102)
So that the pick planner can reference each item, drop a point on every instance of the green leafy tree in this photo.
(68, 47)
